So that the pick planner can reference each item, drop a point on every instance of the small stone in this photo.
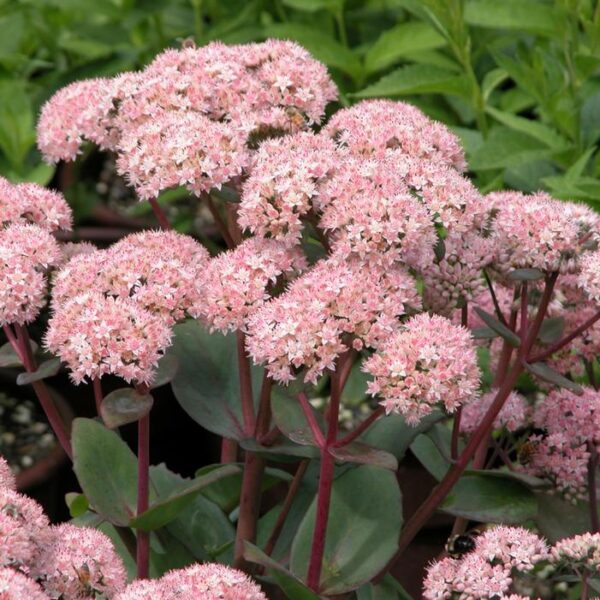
(26, 461)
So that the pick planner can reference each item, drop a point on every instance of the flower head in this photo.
(23, 530)
(514, 547)
(80, 111)
(382, 127)
(284, 185)
(513, 415)
(96, 335)
(237, 282)
(29, 242)
(539, 232)
(428, 362)
(211, 581)
(180, 149)
(457, 279)
(7, 478)
(81, 562)
(307, 326)
(159, 270)
(579, 551)
(32, 203)
(17, 586)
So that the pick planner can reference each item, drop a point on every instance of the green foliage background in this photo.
(518, 80)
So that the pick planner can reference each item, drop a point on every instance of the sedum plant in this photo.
(359, 255)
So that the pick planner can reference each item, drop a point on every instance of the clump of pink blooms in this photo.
(190, 117)
(514, 415)
(581, 551)
(539, 232)
(237, 282)
(208, 581)
(16, 586)
(79, 562)
(96, 335)
(7, 478)
(32, 203)
(501, 553)
(428, 362)
(29, 214)
(285, 184)
(67, 562)
(571, 424)
(23, 530)
(456, 279)
(383, 127)
(314, 321)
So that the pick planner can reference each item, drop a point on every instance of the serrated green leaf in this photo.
(548, 136)
(418, 79)
(506, 148)
(526, 275)
(291, 586)
(402, 40)
(521, 15)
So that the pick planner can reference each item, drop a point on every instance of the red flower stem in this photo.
(592, 496)
(524, 307)
(245, 385)
(360, 429)
(229, 450)
(585, 590)
(287, 505)
(160, 215)
(143, 496)
(98, 395)
(567, 339)
(234, 230)
(270, 437)
(311, 419)
(439, 493)
(254, 467)
(464, 321)
(219, 222)
(22, 346)
(494, 298)
(325, 487)
(12, 338)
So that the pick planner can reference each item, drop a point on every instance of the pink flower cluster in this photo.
(237, 282)
(428, 362)
(285, 185)
(314, 321)
(579, 552)
(29, 213)
(40, 561)
(381, 202)
(383, 127)
(7, 478)
(208, 581)
(539, 232)
(456, 280)
(487, 572)
(514, 414)
(16, 586)
(189, 117)
(32, 203)
(570, 422)
(96, 335)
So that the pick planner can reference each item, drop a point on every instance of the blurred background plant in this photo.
(518, 80)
